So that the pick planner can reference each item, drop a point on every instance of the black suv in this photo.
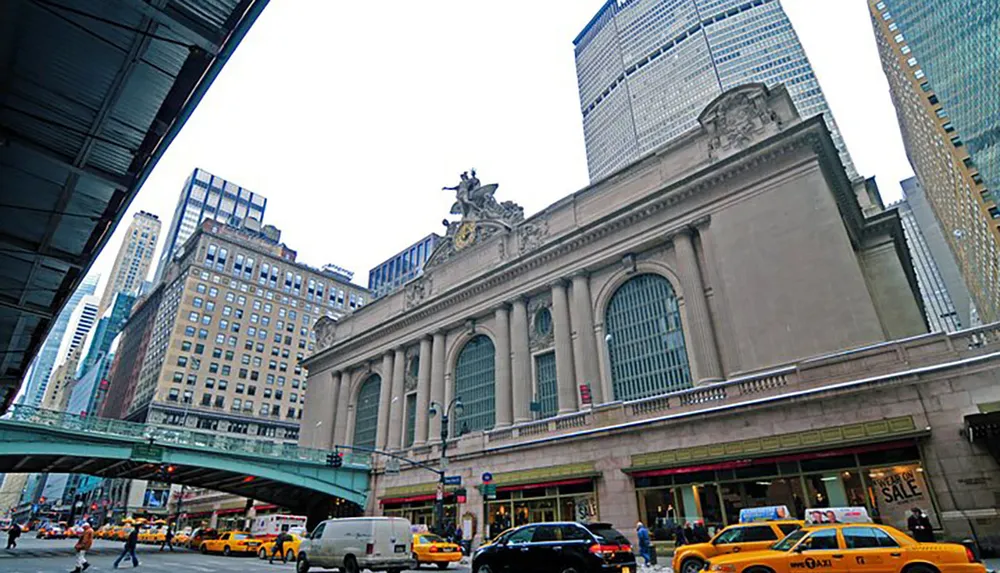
(557, 548)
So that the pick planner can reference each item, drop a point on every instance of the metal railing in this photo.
(169, 436)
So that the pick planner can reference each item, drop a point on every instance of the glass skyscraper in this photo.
(392, 274)
(206, 196)
(46, 360)
(647, 68)
(954, 43)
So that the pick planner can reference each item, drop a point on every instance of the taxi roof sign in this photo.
(822, 515)
(769, 513)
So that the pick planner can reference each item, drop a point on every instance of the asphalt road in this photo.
(56, 555)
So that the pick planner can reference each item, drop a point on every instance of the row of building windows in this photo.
(646, 350)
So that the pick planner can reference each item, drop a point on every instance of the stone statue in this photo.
(474, 201)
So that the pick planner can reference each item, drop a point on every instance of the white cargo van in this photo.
(356, 543)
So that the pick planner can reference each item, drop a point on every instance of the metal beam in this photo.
(26, 307)
(30, 249)
(19, 141)
(20, 464)
(176, 27)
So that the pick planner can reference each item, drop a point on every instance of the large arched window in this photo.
(366, 412)
(475, 384)
(645, 340)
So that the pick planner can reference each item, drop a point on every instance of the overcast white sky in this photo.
(350, 116)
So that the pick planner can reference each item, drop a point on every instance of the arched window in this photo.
(645, 340)
(366, 412)
(475, 384)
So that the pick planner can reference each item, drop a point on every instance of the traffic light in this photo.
(460, 495)
(165, 472)
(335, 459)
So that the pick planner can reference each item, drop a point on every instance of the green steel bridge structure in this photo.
(45, 441)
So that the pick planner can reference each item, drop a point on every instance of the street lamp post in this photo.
(457, 407)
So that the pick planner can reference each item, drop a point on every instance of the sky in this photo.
(350, 116)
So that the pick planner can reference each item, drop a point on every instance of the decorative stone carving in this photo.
(737, 119)
(531, 234)
(481, 217)
(417, 291)
(325, 329)
(540, 338)
(412, 357)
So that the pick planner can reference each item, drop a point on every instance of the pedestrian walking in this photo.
(645, 543)
(167, 539)
(279, 547)
(920, 526)
(130, 544)
(12, 534)
(701, 532)
(82, 547)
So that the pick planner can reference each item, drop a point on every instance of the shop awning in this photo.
(426, 491)
(539, 477)
(820, 442)
(578, 481)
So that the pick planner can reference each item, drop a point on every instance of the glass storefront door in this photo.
(573, 502)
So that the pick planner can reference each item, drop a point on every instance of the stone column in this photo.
(503, 381)
(565, 376)
(423, 391)
(352, 412)
(396, 400)
(583, 322)
(702, 341)
(384, 399)
(437, 385)
(325, 432)
(520, 365)
(340, 427)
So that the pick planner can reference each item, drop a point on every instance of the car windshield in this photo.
(789, 541)
(608, 534)
(240, 536)
(431, 538)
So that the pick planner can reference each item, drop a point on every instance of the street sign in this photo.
(490, 491)
(453, 480)
(487, 477)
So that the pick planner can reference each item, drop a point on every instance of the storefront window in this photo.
(575, 502)
(894, 491)
(848, 480)
(421, 512)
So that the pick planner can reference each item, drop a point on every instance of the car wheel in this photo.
(290, 555)
(351, 565)
(484, 568)
(262, 554)
(204, 549)
(302, 566)
(227, 551)
(692, 565)
(918, 568)
(442, 565)
(762, 570)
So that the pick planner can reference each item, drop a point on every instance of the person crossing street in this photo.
(130, 544)
(82, 546)
(12, 534)
(279, 547)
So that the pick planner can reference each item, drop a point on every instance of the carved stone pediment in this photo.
(738, 118)
(325, 329)
(418, 290)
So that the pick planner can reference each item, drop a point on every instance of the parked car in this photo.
(353, 544)
(851, 547)
(557, 547)
(429, 548)
(201, 534)
(231, 542)
(741, 537)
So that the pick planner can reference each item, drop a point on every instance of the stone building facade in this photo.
(678, 334)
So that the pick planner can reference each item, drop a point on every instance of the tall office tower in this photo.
(45, 362)
(233, 319)
(83, 319)
(408, 264)
(203, 197)
(946, 300)
(937, 58)
(134, 257)
(646, 69)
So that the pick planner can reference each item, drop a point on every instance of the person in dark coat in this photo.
(12, 534)
(920, 526)
(701, 532)
(168, 537)
(130, 544)
(279, 547)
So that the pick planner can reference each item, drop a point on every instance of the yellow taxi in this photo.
(738, 538)
(429, 548)
(851, 548)
(291, 548)
(231, 542)
(182, 537)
